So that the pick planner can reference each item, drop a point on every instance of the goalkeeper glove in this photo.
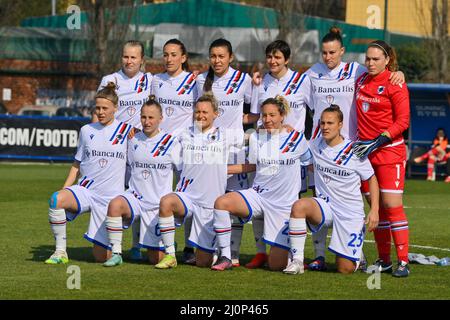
(363, 148)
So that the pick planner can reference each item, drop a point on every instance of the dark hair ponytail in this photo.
(185, 65)
(210, 76)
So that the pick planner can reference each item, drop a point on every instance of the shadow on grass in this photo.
(81, 254)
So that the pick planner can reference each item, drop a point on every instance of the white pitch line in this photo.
(417, 246)
(429, 208)
(411, 245)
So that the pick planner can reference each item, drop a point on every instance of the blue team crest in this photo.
(330, 99)
(136, 146)
(320, 75)
(91, 136)
(131, 111)
(169, 111)
(380, 89)
(365, 106)
(265, 88)
(102, 162)
(145, 174)
(87, 153)
(161, 84)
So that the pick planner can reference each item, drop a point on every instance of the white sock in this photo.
(297, 237)
(258, 232)
(187, 231)
(222, 227)
(57, 219)
(136, 230)
(237, 229)
(115, 232)
(320, 241)
(167, 229)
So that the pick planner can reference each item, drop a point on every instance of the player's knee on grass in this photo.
(203, 259)
(101, 254)
(154, 256)
(345, 266)
(277, 259)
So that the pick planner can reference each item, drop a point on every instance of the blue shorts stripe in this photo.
(132, 213)
(151, 248)
(314, 230)
(273, 244)
(343, 255)
(97, 242)
(78, 204)
(201, 248)
(250, 214)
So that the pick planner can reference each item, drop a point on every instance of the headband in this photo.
(376, 44)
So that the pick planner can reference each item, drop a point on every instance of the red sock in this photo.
(431, 161)
(383, 237)
(400, 231)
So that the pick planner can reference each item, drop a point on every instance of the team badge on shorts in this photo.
(102, 162)
(330, 99)
(131, 111)
(380, 89)
(169, 111)
(365, 106)
(145, 174)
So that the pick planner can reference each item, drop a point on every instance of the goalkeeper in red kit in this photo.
(383, 115)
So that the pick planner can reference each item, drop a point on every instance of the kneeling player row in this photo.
(200, 154)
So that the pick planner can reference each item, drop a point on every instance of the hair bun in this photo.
(335, 30)
(110, 85)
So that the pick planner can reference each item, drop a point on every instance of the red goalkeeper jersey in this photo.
(382, 107)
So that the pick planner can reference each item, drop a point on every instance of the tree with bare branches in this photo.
(435, 14)
(108, 26)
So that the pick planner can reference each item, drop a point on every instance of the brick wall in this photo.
(24, 78)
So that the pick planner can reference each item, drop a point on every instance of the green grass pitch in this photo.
(26, 241)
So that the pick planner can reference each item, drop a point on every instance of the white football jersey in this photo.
(335, 86)
(338, 174)
(132, 93)
(102, 153)
(278, 158)
(204, 164)
(231, 91)
(177, 97)
(152, 161)
(294, 87)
